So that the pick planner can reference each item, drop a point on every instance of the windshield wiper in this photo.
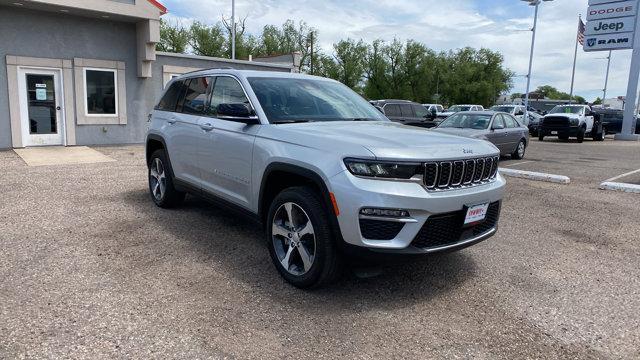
(363, 119)
(291, 121)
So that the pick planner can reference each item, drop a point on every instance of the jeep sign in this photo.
(608, 42)
(609, 26)
(612, 10)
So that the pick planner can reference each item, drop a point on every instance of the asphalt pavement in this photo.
(90, 268)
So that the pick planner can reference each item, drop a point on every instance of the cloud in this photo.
(499, 25)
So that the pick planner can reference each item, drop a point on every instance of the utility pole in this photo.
(575, 56)
(233, 29)
(533, 41)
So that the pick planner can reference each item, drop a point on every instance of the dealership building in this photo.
(86, 72)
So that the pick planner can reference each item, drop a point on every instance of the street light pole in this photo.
(533, 41)
(233, 29)
(606, 79)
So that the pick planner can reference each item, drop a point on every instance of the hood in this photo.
(564, 115)
(382, 139)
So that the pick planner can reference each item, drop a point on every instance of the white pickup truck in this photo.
(566, 121)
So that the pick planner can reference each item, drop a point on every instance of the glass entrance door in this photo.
(41, 107)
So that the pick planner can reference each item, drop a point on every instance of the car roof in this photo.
(486, 112)
(251, 73)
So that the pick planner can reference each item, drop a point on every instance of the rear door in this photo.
(513, 132)
(407, 114)
(180, 131)
(226, 160)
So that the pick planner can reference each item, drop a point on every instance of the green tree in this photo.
(597, 101)
(349, 57)
(208, 40)
(173, 37)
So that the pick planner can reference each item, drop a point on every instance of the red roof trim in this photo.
(156, 3)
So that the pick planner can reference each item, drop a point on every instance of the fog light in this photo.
(397, 213)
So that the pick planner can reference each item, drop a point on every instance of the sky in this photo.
(500, 25)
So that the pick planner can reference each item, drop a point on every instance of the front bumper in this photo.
(412, 236)
(559, 130)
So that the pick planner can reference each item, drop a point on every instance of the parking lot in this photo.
(90, 268)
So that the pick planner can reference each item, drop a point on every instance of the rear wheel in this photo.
(161, 186)
(300, 240)
(598, 133)
(520, 149)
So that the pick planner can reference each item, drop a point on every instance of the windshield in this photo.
(456, 108)
(566, 110)
(286, 100)
(467, 121)
(507, 109)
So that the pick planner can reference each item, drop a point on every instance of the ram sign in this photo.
(608, 42)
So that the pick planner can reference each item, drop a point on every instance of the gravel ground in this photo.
(90, 268)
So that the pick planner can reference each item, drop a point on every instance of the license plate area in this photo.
(475, 214)
(554, 133)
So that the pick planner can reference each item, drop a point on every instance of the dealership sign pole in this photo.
(612, 25)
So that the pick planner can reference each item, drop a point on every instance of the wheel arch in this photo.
(156, 142)
(279, 176)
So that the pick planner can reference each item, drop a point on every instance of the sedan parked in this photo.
(503, 130)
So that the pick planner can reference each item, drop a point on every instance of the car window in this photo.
(420, 111)
(226, 90)
(440, 108)
(195, 96)
(406, 111)
(509, 121)
(497, 121)
(392, 110)
(170, 98)
(462, 120)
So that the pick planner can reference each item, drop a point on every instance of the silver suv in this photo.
(322, 169)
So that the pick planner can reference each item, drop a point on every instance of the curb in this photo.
(531, 175)
(616, 186)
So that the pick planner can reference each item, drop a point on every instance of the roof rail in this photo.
(215, 68)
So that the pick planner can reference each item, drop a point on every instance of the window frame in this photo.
(399, 113)
(182, 97)
(211, 89)
(115, 94)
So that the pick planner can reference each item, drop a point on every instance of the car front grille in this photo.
(444, 175)
(447, 229)
(555, 122)
(379, 229)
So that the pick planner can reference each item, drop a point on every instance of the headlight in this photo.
(575, 121)
(382, 169)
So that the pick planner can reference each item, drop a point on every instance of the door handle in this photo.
(171, 121)
(206, 127)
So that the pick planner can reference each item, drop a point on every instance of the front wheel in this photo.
(540, 135)
(581, 132)
(300, 240)
(598, 135)
(520, 149)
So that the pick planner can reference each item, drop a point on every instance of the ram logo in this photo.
(591, 42)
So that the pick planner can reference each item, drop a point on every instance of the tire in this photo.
(314, 243)
(161, 188)
(540, 136)
(518, 153)
(598, 135)
(580, 136)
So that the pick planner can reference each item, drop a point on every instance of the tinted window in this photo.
(195, 96)
(420, 111)
(170, 98)
(226, 90)
(100, 87)
(509, 121)
(392, 110)
(406, 111)
(463, 120)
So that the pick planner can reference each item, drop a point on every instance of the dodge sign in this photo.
(612, 10)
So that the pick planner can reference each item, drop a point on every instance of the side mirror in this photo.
(239, 112)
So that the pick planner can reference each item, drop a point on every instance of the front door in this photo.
(41, 102)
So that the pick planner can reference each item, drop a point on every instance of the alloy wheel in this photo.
(157, 179)
(521, 149)
(293, 238)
